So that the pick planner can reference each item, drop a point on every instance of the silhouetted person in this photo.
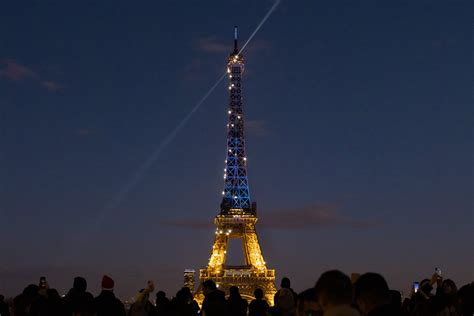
(237, 305)
(142, 305)
(162, 304)
(78, 301)
(396, 301)
(373, 296)
(258, 307)
(307, 304)
(55, 305)
(4, 309)
(22, 303)
(214, 303)
(334, 294)
(419, 303)
(466, 299)
(285, 299)
(106, 304)
(445, 302)
(193, 306)
(47, 302)
(183, 304)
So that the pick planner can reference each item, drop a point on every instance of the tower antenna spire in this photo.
(236, 51)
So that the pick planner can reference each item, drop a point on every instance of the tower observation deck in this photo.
(238, 215)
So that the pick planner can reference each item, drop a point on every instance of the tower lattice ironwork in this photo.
(238, 215)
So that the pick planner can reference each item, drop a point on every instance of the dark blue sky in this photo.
(359, 138)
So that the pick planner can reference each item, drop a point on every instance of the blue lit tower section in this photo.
(236, 195)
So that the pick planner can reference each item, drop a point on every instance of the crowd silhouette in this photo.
(334, 294)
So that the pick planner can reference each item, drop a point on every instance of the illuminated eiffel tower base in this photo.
(248, 277)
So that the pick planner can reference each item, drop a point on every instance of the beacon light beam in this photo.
(140, 172)
(274, 6)
(149, 162)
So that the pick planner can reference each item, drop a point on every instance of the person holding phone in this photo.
(142, 305)
(43, 286)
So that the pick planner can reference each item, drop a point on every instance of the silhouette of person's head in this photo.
(449, 287)
(426, 287)
(307, 303)
(333, 288)
(187, 294)
(31, 290)
(234, 291)
(258, 293)
(208, 286)
(2, 298)
(80, 284)
(53, 295)
(181, 296)
(161, 300)
(107, 283)
(371, 291)
(285, 283)
(465, 297)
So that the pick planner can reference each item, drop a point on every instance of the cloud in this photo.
(50, 85)
(317, 215)
(258, 45)
(213, 45)
(14, 71)
(258, 128)
(310, 216)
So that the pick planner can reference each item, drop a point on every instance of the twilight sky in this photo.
(359, 138)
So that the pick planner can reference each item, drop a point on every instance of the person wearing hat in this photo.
(106, 304)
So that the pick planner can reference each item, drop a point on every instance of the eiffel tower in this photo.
(238, 214)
